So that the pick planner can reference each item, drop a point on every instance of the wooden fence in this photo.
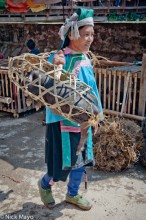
(12, 99)
(123, 89)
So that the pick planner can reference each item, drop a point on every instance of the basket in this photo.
(68, 96)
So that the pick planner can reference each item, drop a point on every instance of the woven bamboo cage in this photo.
(117, 144)
(72, 89)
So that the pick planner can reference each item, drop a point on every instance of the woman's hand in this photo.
(59, 58)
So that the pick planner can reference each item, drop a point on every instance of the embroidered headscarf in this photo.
(79, 18)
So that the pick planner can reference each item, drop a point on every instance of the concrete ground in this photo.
(115, 196)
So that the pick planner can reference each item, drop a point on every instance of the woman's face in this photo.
(83, 43)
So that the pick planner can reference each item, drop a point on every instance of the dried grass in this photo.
(117, 144)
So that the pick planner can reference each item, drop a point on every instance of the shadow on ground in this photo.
(38, 212)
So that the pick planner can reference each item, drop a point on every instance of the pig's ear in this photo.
(35, 74)
(32, 76)
(29, 76)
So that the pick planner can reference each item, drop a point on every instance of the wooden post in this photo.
(104, 73)
(125, 93)
(99, 86)
(134, 93)
(118, 90)
(142, 96)
(125, 115)
(114, 90)
(109, 89)
(129, 93)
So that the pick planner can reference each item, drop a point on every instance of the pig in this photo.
(64, 92)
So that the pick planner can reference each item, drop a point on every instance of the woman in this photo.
(63, 136)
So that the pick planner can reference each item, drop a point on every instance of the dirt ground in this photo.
(114, 196)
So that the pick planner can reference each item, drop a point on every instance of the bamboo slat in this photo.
(119, 89)
(105, 79)
(129, 93)
(99, 85)
(134, 93)
(6, 84)
(2, 84)
(126, 83)
(109, 89)
(18, 99)
(23, 102)
(12, 103)
(114, 90)
(124, 108)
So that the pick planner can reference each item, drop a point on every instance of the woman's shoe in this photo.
(79, 201)
(46, 196)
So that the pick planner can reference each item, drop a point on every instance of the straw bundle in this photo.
(117, 144)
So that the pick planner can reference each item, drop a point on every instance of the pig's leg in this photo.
(84, 135)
